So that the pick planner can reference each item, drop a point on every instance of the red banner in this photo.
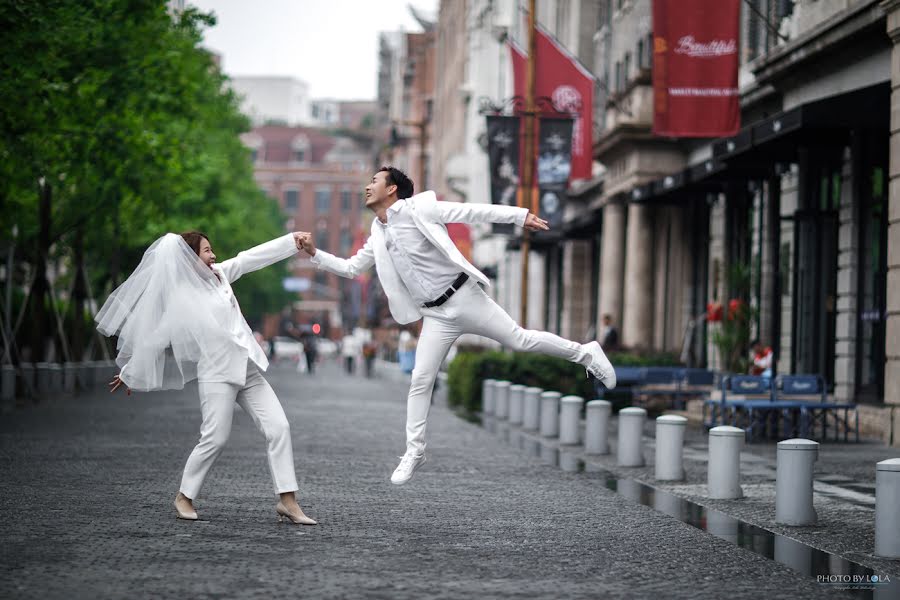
(695, 68)
(559, 75)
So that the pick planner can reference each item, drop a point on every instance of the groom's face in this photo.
(378, 190)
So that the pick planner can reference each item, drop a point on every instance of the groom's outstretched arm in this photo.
(464, 212)
(260, 256)
(345, 267)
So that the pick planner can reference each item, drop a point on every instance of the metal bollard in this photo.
(531, 408)
(631, 441)
(8, 390)
(550, 414)
(596, 430)
(70, 376)
(887, 501)
(515, 403)
(501, 399)
(487, 396)
(670, 447)
(794, 482)
(570, 419)
(723, 477)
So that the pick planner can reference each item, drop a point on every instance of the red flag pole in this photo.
(527, 189)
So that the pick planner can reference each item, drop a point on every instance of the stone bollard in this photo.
(70, 377)
(887, 515)
(8, 389)
(56, 378)
(487, 396)
(570, 419)
(27, 378)
(515, 403)
(596, 431)
(550, 414)
(531, 408)
(723, 478)
(670, 447)
(794, 482)
(631, 441)
(501, 399)
(43, 378)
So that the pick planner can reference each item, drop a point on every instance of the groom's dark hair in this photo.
(194, 239)
(397, 177)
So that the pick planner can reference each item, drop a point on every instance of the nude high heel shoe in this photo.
(300, 519)
(187, 515)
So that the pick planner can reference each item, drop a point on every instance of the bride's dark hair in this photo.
(193, 239)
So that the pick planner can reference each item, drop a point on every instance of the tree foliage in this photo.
(115, 107)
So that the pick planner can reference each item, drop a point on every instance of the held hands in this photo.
(116, 383)
(535, 223)
(304, 241)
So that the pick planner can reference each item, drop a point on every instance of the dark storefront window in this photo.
(872, 289)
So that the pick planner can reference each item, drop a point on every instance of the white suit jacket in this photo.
(430, 217)
(229, 365)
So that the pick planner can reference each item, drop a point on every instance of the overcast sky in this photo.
(330, 44)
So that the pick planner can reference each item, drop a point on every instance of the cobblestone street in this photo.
(88, 483)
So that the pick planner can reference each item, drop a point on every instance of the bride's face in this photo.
(206, 254)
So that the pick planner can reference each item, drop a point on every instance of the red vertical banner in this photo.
(695, 68)
(560, 76)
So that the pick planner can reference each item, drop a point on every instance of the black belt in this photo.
(450, 291)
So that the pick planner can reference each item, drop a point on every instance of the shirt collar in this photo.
(396, 206)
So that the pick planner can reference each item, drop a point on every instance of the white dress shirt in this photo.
(425, 271)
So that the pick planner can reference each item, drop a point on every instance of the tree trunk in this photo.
(79, 294)
(39, 322)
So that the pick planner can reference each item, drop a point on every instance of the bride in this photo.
(177, 319)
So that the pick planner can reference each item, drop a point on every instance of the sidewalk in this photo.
(87, 484)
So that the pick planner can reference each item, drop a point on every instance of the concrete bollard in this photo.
(794, 482)
(550, 414)
(501, 399)
(631, 440)
(56, 378)
(70, 377)
(887, 515)
(8, 389)
(43, 378)
(570, 419)
(515, 403)
(723, 477)
(531, 408)
(487, 396)
(596, 431)
(670, 447)
(28, 382)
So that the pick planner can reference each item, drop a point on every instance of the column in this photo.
(892, 367)
(612, 265)
(637, 318)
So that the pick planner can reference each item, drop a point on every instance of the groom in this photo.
(424, 275)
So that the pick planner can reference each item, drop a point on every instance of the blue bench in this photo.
(746, 401)
(808, 397)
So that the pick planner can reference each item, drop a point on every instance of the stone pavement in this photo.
(87, 484)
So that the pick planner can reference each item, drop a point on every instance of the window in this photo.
(626, 70)
(321, 278)
(291, 200)
(346, 201)
(346, 241)
(323, 200)
(299, 155)
(322, 239)
(618, 82)
(254, 155)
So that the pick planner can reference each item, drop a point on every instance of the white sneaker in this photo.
(409, 462)
(600, 366)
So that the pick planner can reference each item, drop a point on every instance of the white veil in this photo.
(164, 318)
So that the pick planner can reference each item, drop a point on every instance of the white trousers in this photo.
(469, 310)
(258, 400)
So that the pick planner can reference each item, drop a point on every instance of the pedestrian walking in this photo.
(425, 276)
(177, 319)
